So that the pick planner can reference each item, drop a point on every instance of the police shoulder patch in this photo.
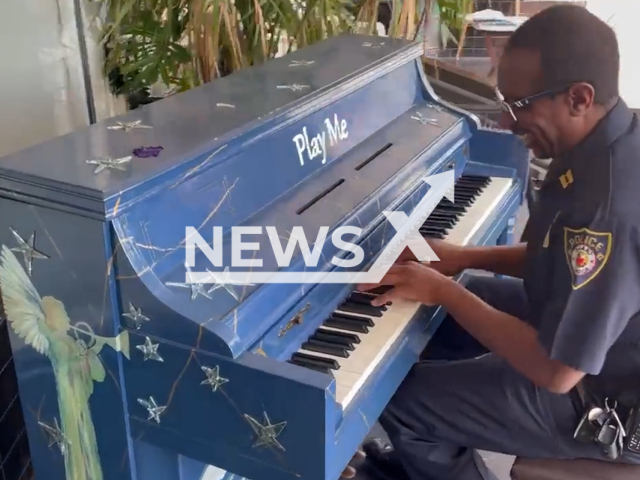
(587, 253)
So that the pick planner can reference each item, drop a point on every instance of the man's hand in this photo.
(350, 470)
(503, 334)
(503, 259)
(453, 258)
(410, 281)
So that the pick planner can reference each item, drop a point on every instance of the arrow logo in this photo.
(407, 236)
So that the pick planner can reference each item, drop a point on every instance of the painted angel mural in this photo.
(73, 351)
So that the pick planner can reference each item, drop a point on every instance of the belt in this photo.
(579, 398)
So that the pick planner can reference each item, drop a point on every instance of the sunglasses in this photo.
(512, 107)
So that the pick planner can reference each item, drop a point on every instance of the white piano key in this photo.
(477, 214)
(374, 345)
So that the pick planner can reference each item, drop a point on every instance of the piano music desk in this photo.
(126, 372)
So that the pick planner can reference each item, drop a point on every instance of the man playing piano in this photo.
(568, 317)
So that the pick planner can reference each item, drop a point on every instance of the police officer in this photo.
(516, 350)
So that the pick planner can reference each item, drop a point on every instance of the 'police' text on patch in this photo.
(587, 252)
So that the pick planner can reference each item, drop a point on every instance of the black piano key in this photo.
(468, 181)
(364, 299)
(453, 208)
(313, 360)
(347, 339)
(353, 318)
(311, 366)
(439, 236)
(443, 215)
(326, 348)
(381, 290)
(343, 324)
(361, 297)
(464, 197)
(437, 223)
(431, 231)
(463, 189)
(362, 309)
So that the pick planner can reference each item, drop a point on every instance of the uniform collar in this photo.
(607, 131)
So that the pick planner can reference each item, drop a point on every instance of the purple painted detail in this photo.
(146, 152)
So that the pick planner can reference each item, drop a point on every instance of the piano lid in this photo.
(191, 124)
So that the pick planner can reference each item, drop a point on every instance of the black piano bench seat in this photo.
(580, 469)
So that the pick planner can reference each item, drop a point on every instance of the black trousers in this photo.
(446, 410)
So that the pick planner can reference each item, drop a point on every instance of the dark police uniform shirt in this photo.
(583, 254)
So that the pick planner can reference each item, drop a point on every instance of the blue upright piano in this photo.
(126, 370)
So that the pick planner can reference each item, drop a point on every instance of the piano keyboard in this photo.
(355, 338)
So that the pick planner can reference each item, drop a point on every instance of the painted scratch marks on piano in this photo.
(224, 200)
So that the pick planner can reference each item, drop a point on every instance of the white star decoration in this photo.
(424, 120)
(196, 288)
(150, 350)
(152, 407)
(373, 45)
(296, 87)
(222, 281)
(128, 126)
(136, 316)
(115, 163)
(56, 436)
(28, 250)
(301, 63)
(267, 434)
(213, 378)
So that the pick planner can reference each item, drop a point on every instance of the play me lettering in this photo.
(310, 147)
(214, 251)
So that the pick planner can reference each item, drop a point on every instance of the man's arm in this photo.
(509, 337)
(589, 306)
(502, 260)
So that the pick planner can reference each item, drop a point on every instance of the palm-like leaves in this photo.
(185, 43)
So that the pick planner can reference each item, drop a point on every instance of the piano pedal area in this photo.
(355, 337)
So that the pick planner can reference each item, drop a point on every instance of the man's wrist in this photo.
(447, 290)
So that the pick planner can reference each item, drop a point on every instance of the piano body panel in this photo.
(72, 388)
(207, 421)
(316, 302)
(227, 188)
(513, 153)
(146, 302)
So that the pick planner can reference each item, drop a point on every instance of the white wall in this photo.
(624, 17)
(41, 85)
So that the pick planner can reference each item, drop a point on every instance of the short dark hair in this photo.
(574, 46)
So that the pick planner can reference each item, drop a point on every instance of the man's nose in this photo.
(506, 121)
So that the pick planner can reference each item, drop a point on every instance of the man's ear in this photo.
(581, 98)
